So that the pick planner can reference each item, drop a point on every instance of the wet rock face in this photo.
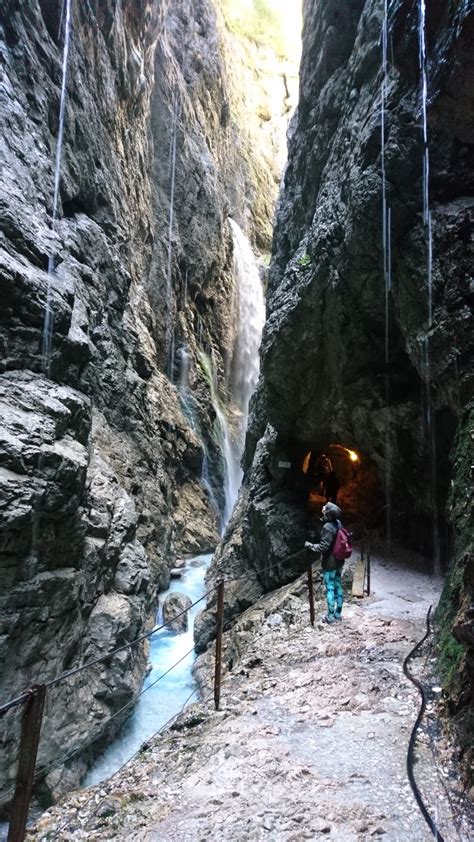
(175, 611)
(77, 572)
(212, 160)
(327, 290)
(100, 467)
(324, 374)
(455, 613)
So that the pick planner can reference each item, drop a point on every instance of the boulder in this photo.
(173, 607)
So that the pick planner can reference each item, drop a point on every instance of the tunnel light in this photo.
(353, 456)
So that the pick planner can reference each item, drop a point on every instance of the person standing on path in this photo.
(332, 568)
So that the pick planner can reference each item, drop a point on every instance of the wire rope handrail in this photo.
(27, 773)
(20, 699)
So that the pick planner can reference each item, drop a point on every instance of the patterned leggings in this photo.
(334, 592)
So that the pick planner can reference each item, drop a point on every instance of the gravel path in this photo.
(310, 742)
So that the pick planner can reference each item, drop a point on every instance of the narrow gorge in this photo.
(220, 275)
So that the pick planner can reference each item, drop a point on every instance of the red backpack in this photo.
(342, 545)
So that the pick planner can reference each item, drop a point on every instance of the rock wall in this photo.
(79, 445)
(100, 466)
(219, 113)
(325, 375)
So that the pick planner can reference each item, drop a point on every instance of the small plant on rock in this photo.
(304, 260)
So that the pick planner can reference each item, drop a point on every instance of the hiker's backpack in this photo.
(342, 545)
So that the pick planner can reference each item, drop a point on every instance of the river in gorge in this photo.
(162, 700)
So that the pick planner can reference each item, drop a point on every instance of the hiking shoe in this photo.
(327, 619)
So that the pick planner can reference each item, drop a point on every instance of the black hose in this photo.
(411, 745)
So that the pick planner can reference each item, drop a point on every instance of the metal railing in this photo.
(33, 699)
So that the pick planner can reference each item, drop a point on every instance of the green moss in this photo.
(305, 260)
(451, 653)
(267, 23)
(450, 658)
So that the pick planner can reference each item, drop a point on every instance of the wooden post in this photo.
(219, 630)
(368, 567)
(310, 587)
(30, 735)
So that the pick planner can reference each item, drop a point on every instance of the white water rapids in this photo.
(168, 696)
(249, 313)
(250, 307)
(158, 702)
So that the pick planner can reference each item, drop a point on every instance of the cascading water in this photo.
(429, 421)
(183, 384)
(155, 706)
(426, 155)
(251, 314)
(190, 413)
(387, 265)
(161, 700)
(172, 176)
(48, 322)
(48, 313)
(231, 468)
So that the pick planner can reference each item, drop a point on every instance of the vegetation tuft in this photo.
(267, 23)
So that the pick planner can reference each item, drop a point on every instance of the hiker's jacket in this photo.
(328, 537)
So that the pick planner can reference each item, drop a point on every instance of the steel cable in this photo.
(43, 772)
(70, 673)
(135, 755)
(411, 745)
(256, 574)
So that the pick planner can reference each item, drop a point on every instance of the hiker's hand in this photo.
(308, 545)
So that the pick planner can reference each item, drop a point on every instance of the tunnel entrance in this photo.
(313, 474)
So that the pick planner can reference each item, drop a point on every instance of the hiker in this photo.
(332, 566)
(331, 487)
(321, 470)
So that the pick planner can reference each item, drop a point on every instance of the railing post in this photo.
(30, 735)
(310, 587)
(219, 630)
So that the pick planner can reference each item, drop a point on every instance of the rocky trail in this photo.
(310, 741)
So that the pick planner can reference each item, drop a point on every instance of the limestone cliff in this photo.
(326, 375)
(100, 466)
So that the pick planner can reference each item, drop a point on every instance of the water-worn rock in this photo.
(327, 375)
(175, 612)
(97, 453)
(306, 742)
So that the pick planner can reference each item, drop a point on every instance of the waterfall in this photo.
(184, 391)
(426, 154)
(251, 318)
(386, 211)
(48, 321)
(246, 360)
(48, 312)
(387, 265)
(190, 413)
(429, 420)
(231, 468)
(172, 176)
